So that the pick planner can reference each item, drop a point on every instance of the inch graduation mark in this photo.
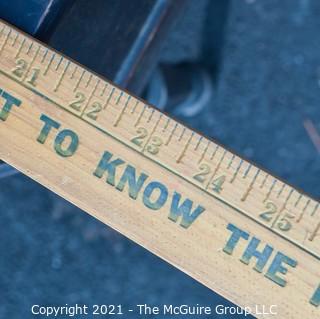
(157, 142)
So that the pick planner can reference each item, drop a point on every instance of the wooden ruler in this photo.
(230, 225)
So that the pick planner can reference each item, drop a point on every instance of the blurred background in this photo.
(245, 72)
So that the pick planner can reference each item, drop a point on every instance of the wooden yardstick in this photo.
(230, 225)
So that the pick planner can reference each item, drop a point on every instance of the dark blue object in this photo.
(36, 17)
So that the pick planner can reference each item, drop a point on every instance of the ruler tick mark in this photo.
(5, 41)
(140, 116)
(214, 152)
(246, 194)
(315, 209)
(264, 181)
(91, 96)
(298, 200)
(199, 142)
(29, 48)
(61, 76)
(281, 190)
(171, 134)
(303, 211)
(150, 117)
(185, 148)
(74, 71)
(59, 63)
(3, 27)
(286, 201)
(236, 172)
(247, 171)
(217, 168)
(89, 80)
(44, 55)
(315, 232)
(119, 98)
(109, 98)
(274, 182)
(79, 81)
(307, 204)
(182, 133)
(204, 153)
(231, 161)
(15, 40)
(104, 90)
(135, 107)
(49, 64)
(166, 125)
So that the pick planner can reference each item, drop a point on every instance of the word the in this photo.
(145, 309)
(277, 265)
